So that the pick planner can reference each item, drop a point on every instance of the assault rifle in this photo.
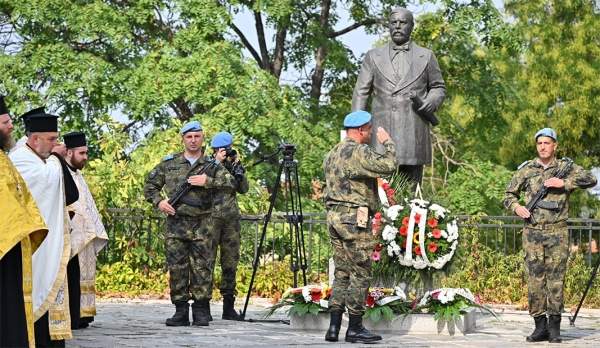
(417, 103)
(185, 187)
(537, 199)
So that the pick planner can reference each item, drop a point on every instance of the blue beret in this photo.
(193, 126)
(546, 132)
(356, 119)
(221, 139)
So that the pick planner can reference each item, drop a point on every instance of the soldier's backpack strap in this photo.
(523, 164)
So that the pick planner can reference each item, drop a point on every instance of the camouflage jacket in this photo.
(530, 177)
(164, 180)
(225, 201)
(351, 172)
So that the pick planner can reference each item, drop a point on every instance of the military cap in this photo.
(74, 139)
(192, 126)
(3, 107)
(221, 139)
(357, 119)
(546, 132)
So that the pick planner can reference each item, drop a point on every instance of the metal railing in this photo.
(500, 233)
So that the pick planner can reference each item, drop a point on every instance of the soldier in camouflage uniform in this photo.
(188, 237)
(351, 169)
(545, 235)
(226, 219)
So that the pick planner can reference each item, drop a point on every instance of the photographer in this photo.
(226, 218)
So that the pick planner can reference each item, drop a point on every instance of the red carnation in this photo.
(370, 301)
(378, 216)
(417, 250)
(436, 233)
(432, 247)
(315, 295)
(403, 230)
(385, 186)
(417, 218)
(405, 221)
(432, 223)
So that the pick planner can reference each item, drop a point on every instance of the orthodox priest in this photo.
(88, 237)
(52, 188)
(22, 230)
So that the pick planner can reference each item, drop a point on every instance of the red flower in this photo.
(417, 218)
(435, 295)
(403, 230)
(377, 216)
(432, 223)
(315, 295)
(417, 250)
(370, 301)
(385, 186)
(376, 256)
(437, 234)
(378, 247)
(432, 247)
(405, 221)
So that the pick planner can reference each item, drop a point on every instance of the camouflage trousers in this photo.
(352, 247)
(188, 247)
(546, 254)
(226, 236)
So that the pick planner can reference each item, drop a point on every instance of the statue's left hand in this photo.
(427, 107)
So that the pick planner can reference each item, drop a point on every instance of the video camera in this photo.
(288, 151)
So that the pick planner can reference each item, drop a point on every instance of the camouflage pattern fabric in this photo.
(227, 238)
(546, 237)
(351, 170)
(546, 255)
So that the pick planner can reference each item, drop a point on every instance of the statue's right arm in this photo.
(364, 84)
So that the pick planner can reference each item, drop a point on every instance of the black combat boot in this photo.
(541, 330)
(229, 312)
(201, 313)
(554, 329)
(181, 316)
(357, 332)
(335, 324)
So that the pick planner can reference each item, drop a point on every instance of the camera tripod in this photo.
(293, 217)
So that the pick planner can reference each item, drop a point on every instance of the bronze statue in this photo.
(393, 75)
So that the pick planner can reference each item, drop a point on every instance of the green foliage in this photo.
(119, 279)
(304, 308)
(477, 188)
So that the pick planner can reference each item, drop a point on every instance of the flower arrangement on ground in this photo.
(449, 303)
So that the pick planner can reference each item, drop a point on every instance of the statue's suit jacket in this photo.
(391, 108)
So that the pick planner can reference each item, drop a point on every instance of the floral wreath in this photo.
(417, 234)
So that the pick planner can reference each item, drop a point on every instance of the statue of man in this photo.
(392, 74)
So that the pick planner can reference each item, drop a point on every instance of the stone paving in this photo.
(139, 323)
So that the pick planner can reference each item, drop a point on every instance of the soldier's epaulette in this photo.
(523, 164)
(168, 157)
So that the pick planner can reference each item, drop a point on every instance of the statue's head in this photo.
(401, 25)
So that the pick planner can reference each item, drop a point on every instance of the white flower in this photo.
(306, 294)
(438, 210)
(444, 234)
(390, 251)
(400, 293)
(389, 233)
(393, 211)
(382, 196)
(395, 247)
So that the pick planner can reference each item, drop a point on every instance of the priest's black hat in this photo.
(3, 107)
(41, 123)
(33, 112)
(74, 139)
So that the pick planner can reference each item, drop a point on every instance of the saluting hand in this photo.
(382, 135)
(165, 207)
(198, 180)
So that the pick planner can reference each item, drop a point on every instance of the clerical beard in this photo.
(6, 141)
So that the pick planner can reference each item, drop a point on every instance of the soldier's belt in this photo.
(546, 225)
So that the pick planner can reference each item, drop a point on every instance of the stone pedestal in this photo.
(414, 324)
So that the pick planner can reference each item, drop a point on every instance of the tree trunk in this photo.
(321, 53)
(278, 55)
